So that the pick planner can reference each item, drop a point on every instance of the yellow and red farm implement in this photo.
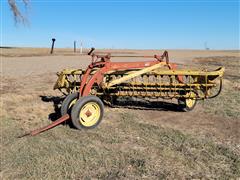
(105, 81)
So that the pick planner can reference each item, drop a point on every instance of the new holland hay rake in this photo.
(104, 80)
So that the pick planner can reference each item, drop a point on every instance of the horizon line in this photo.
(12, 47)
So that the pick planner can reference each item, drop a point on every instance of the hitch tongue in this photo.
(42, 129)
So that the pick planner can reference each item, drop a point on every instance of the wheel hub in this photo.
(89, 114)
(190, 102)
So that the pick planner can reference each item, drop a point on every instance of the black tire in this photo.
(66, 108)
(183, 105)
(78, 122)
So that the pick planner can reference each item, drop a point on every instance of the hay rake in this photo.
(104, 80)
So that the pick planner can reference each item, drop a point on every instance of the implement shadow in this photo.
(129, 103)
(147, 105)
(57, 101)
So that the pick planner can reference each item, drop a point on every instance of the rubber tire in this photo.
(78, 106)
(184, 107)
(66, 102)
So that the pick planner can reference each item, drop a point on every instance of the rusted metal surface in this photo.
(104, 65)
(107, 57)
(169, 82)
(147, 79)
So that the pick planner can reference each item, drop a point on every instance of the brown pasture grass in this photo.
(29, 52)
(227, 103)
(123, 148)
(127, 145)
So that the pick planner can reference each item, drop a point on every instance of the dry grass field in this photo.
(130, 143)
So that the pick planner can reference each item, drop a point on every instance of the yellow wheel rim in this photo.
(190, 102)
(89, 114)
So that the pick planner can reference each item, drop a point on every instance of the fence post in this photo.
(53, 42)
(81, 48)
(74, 44)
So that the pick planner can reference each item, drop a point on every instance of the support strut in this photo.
(53, 124)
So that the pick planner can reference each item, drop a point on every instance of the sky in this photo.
(122, 24)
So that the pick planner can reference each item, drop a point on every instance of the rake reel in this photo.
(104, 80)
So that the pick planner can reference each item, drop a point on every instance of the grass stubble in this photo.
(123, 146)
